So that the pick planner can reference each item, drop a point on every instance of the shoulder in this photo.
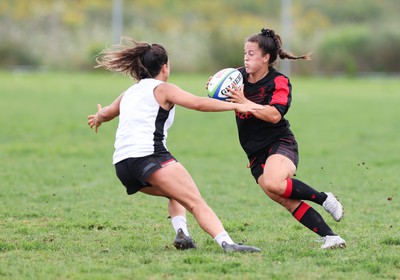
(166, 87)
(165, 94)
(276, 74)
(150, 82)
(277, 78)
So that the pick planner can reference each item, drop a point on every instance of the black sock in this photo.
(296, 189)
(311, 219)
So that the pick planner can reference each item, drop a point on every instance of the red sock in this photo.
(311, 219)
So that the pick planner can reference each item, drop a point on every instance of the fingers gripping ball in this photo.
(222, 80)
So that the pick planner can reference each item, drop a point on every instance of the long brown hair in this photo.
(271, 43)
(139, 60)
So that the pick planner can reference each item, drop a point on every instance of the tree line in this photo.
(358, 36)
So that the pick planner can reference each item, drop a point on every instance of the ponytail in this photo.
(271, 43)
(139, 60)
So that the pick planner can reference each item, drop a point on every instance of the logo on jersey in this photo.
(244, 116)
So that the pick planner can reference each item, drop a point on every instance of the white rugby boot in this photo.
(332, 242)
(333, 206)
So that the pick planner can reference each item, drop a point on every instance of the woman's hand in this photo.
(263, 112)
(105, 114)
(95, 120)
(236, 94)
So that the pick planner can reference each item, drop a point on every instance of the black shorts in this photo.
(286, 146)
(133, 172)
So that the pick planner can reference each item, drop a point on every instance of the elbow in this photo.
(199, 107)
(196, 107)
(275, 118)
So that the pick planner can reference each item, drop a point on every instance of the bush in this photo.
(356, 49)
(14, 54)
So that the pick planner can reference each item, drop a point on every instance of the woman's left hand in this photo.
(236, 94)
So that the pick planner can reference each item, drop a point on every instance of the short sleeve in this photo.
(282, 94)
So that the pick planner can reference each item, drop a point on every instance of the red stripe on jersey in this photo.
(251, 163)
(289, 187)
(281, 94)
(301, 210)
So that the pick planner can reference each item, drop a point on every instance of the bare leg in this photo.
(176, 211)
(274, 181)
(277, 170)
(175, 182)
(177, 214)
(174, 207)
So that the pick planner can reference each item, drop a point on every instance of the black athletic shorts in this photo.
(286, 146)
(133, 172)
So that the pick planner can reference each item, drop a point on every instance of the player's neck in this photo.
(255, 77)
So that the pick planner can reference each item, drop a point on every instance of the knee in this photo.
(273, 185)
(196, 205)
(275, 188)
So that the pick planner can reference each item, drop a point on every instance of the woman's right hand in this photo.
(95, 120)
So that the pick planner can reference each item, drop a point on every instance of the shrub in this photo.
(14, 54)
(357, 49)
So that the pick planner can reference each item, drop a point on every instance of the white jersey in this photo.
(143, 124)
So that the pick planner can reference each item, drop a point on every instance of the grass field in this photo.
(64, 214)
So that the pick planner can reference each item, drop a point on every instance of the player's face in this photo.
(254, 61)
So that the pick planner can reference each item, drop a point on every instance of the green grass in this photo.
(64, 214)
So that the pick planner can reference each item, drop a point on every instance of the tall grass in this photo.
(64, 214)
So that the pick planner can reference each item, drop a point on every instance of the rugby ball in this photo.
(218, 86)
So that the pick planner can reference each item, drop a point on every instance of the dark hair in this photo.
(137, 59)
(271, 43)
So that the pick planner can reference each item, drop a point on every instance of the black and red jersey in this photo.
(275, 90)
